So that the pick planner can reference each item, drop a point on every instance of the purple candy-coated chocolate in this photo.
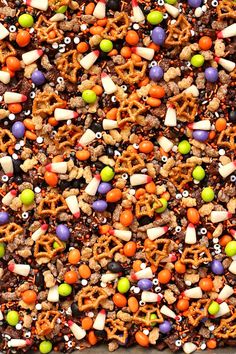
(156, 73)
(38, 78)
(145, 284)
(217, 267)
(200, 135)
(4, 217)
(100, 205)
(195, 3)
(211, 74)
(158, 35)
(165, 327)
(104, 188)
(63, 233)
(18, 130)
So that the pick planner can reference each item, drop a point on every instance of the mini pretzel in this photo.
(182, 174)
(114, 328)
(195, 255)
(116, 28)
(129, 111)
(179, 32)
(43, 27)
(68, 135)
(226, 328)
(158, 250)
(93, 296)
(227, 138)
(44, 247)
(143, 315)
(131, 72)
(105, 247)
(52, 205)
(198, 311)
(6, 50)
(129, 162)
(46, 322)
(6, 139)
(68, 65)
(146, 205)
(9, 231)
(226, 9)
(185, 105)
(45, 103)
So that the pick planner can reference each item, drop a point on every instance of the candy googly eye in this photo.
(25, 215)
(27, 334)
(165, 16)
(214, 3)
(178, 229)
(185, 194)
(142, 303)
(12, 29)
(155, 281)
(145, 98)
(178, 343)
(203, 231)
(164, 159)
(124, 87)
(27, 113)
(113, 99)
(153, 63)
(32, 94)
(233, 178)
(5, 178)
(178, 196)
(60, 80)
(136, 146)
(98, 135)
(67, 40)
(125, 176)
(70, 344)
(157, 289)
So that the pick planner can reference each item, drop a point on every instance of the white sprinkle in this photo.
(83, 27)
(103, 285)
(215, 240)
(175, 148)
(198, 12)
(136, 26)
(188, 283)
(84, 282)
(38, 307)
(15, 157)
(221, 152)
(18, 326)
(11, 116)
(55, 45)
(143, 266)
(22, 143)
(146, 331)
(136, 290)
(68, 122)
(31, 30)
(39, 140)
(204, 102)
(1, 98)
(90, 314)
(217, 114)
(76, 40)
(17, 147)
(192, 33)
(211, 328)
(204, 8)
(66, 338)
(203, 346)
(37, 190)
(132, 191)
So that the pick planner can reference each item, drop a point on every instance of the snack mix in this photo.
(117, 175)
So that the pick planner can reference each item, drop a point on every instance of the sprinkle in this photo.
(38, 307)
(39, 140)
(143, 266)
(83, 27)
(11, 116)
(146, 331)
(221, 152)
(84, 282)
(19, 326)
(211, 328)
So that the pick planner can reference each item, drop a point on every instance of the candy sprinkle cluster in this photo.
(117, 178)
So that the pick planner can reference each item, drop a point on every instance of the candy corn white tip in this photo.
(73, 205)
(225, 293)
(224, 310)
(123, 235)
(227, 32)
(14, 97)
(226, 170)
(87, 138)
(20, 269)
(194, 293)
(228, 65)
(143, 274)
(57, 167)
(193, 90)
(31, 56)
(8, 198)
(19, 343)
(171, 117)
(41, 231)
(89, 59)
(148, 296)
(7, 165)
(146, 53)
(138, 15)
(3, 31)
(5, 77)
(232, 267)
(78, 332)
(53, 294)
(37, 4)
(109, 124)
(99, 322)
(108, 277)
(64, 114)
(165, 143)
(202, 125)
(139, 178)
(93, 185)
(57, 18)
(190, 236)
(100, 9)
(218, 216)
(156, 232)
(167, 312)
(173, 11)
(108, 84)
